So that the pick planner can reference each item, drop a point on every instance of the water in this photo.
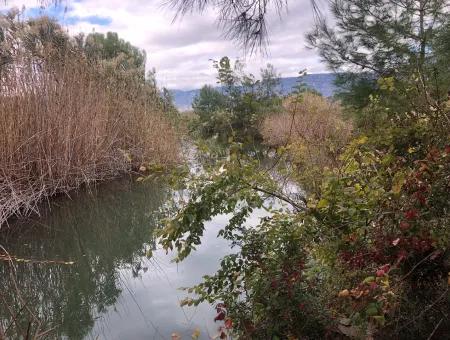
(112, 290)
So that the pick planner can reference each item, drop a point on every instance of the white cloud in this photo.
(181, 51)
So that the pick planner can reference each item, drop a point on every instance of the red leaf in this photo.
(228, 323)
(380, 272)
(404, 225)
(220, 316)
(411, 214)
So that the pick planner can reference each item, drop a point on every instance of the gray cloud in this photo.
(181, 51)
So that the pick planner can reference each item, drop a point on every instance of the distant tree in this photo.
(237, 106)
(270, 82)
(110, 46)
(208, 100)
(167, 103)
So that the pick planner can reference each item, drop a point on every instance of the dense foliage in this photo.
(364, 251)
(400, 40)
(237, 107)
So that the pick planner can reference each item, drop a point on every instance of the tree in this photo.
(378, 39)
(167, 104)
(270, 82)
(242, 20)
(379, 36)
(111, 47)
(208, 100)
(237, 106)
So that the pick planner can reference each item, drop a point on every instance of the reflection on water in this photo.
(112, 291)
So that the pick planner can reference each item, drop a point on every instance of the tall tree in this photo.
(380, 36)
(369, 40)
(110, 46)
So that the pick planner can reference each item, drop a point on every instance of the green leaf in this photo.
(323, 203)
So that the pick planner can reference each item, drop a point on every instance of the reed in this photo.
(67, 121)
(314, 132)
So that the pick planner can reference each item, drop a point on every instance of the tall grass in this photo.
(66, 121)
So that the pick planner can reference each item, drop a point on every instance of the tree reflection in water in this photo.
(101, 232)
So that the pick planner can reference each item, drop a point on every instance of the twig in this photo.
(417, 264)
(435, 329)
(424, 311)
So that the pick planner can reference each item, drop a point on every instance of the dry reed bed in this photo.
(309, 118)
(313, 130)
(69, 122)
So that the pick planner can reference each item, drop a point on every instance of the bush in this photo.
(312, 129)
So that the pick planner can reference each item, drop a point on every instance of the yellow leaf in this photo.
(362, 140)
(196, 334)
(397, 182)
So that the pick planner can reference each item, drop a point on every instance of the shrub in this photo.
(313, 130)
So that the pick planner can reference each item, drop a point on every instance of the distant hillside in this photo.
(322, 82)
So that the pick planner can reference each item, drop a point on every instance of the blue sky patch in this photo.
(60, 13)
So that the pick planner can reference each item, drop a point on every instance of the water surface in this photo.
(112, 290)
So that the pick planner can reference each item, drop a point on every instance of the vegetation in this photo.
(360, 250)
(364, 251)
(237, 107)
(241, 20)
(395, 40)
(74, 111)
(312, 130)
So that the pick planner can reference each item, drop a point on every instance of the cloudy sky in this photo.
(181, 52)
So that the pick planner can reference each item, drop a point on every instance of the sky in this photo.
(181, 51)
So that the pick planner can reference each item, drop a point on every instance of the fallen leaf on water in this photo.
(196, 334)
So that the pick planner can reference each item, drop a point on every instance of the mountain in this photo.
(321, 82)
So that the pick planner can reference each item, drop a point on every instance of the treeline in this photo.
(364, 253)
(74, 110)
(236, 108)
